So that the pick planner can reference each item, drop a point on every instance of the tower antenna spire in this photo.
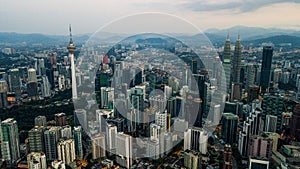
(70, 29)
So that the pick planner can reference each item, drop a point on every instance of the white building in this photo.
(36, 160)
(196, 139)
(124, 149)
(98, 146)
(66, 150)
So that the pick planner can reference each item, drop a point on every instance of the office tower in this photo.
(107, 97)
(118, 122)
(77, 135)
(161, 119)
(227, 63)
(273, 105)
(196, 139)
(286, 120)
(194, 66)
(80, 118)
(258, 164)
(271, 123)
(60, 119)
(32, 90)
(36, 160)
(273, 136)
(295, 123)
(66, 132)
(215, 114)
(250, 75)
(99, 146)
(227, 157)
(277, 75)
(45, 87)
(192, 160)
(266, 68)
(229, 128)
(251, 126)
(285, 78)
(3, 93)
(36, 139)
(51, 136)
(14, 81)
(111, 131)
(253, 93)
(10, 141)
(40, 121)
(41, 67)
(137, 97)
(66, 150)
(260, 147)
(236, 61)
(236, 92)
(58, 164)
(71, 48)
(157, 136)
(124, 149)
(32, 75)
(153, 149)
(199, 105)
(157, 102)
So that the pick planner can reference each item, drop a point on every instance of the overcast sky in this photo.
(87, 16)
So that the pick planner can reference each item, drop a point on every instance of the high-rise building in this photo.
(77, 134)
(66, 132)
(32, 90)
(153, 149)
(192, 160)
(250, 75)
(236, 61)
(32, 75)
(295, 123)
(80, 118)
(266, 68)
(111, 131)
(45, 87)
(10, 146)
(40, 121)
(273, 104)
(124, 149)
(260, 147)
(3, 93)
(36, 139)
(271, 123)
(229, 128)
(51, 137)
(71, 48)
(60, 119)
(227, 157)
(99, 146)
(196, 139)
(36, 160)
(58, 164)
(14, 81)
(227, 63)
(66, 150)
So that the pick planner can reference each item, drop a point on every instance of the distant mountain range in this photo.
(248, 35)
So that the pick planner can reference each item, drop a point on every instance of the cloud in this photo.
(237, 6)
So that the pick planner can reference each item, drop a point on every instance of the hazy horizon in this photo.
(52, 17)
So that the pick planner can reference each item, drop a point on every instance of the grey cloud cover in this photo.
(240, 6)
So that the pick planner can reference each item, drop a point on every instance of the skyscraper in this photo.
(36, 160)
(98, 146)
(260, 147)
(77, 134)
(236, 61)
(192, 159)
(32, 75)
(45, 86)
(229, 128)
(196, 139)
(266, 68)
(10, 141)
(40, 121)
(51, 137)
(124, 149)
(71, 48)
(66, 150)
(227, 157)
(36, 139)
(60, 119)
(14, 81)
(227, 62)
(3, 93)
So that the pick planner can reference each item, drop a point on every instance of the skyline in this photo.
(34, 16)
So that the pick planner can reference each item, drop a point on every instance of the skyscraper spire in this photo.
(236, 61)
(227, 62)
